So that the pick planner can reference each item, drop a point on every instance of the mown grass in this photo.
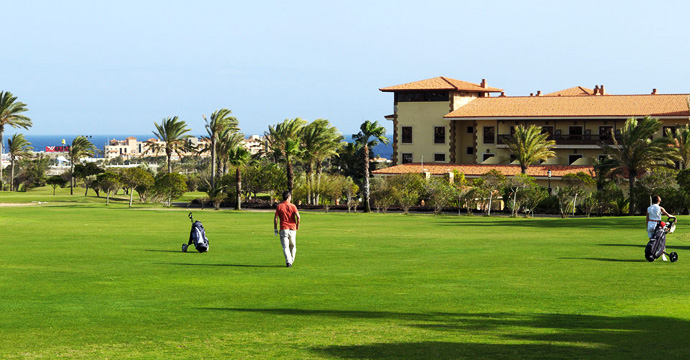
(84, 281)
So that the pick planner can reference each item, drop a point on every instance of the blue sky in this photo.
(96, 67)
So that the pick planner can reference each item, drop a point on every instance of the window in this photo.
(440, 157)
(487, 156)
(574, 158)
(547, 130)
(419, 96)
(575, 130)
(470, 129)
(439, 135)
(513, 157)
(489, 135)
(406, 158)
(602, 157)
(605, 132)
(667, 128)
(470, 150)
(407, 134)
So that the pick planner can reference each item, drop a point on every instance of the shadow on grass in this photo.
(669, 245)
(588, 223)
(230, 265)
(171, 251)
(509, 336)
(605, 259)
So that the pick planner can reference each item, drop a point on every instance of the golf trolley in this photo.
(656, 247)
(197, 237)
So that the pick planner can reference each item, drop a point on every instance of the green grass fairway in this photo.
(85, 281)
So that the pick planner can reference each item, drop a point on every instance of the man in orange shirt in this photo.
(288, 215)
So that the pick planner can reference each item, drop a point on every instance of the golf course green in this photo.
(79, 280)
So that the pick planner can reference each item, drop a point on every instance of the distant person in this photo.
(287, 214)
(654, 217)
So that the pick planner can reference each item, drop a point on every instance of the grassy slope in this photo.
(85, 281)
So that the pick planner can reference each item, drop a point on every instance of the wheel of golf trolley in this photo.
(673, 256)
(184, 247)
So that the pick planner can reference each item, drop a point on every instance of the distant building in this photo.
(130, 148)
(459, 125)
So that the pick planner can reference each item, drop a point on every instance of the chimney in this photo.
(601, 90)
(531, 94)
(538, 92)
(484, 83)
(503, 94)
(653, 91)
(596, 89)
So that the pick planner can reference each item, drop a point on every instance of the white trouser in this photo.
(651, 225)
(288, 241)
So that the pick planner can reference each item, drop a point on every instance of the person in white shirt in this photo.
(654, 217)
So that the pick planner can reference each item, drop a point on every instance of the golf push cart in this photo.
(656, 247)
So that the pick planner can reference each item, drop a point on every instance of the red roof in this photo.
(442, 83)
(557, 171)
(573, 106)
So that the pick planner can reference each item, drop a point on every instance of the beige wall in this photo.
(423, 117)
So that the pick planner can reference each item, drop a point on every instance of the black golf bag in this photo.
(657, 244)
(197, 236)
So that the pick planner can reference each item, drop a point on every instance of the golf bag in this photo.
(657, 244)
(197, 236)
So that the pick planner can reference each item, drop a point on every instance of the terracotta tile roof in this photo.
(574, 106)
(441, 83)
(573, 91)
(557, 171)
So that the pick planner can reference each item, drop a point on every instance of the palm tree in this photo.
(681, 141)
(171, 131)
(369, 136)
(17, 146)
(81, 147)
(238, 157)
(220, 121)
(283, 141)
(529, 145)
(321, 141)
(635, 152)
(11, 114)
(228, 140)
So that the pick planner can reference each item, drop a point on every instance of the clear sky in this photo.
(116, 67)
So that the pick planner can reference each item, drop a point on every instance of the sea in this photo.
(40, 142)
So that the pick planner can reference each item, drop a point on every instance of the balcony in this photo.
(582, 139)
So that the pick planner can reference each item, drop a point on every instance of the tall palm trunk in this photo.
(367, 207)
(631, 196)
(71, 177)
(318, 182)
(310, 183)
(11, 173)
(168, 154)
(238, 188)
(290, 175)
(213, 163)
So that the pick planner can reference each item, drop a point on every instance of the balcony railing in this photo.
(583, 139)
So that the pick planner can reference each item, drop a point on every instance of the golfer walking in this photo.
(287, 214)
(654, 217)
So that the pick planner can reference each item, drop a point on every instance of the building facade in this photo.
(453, 122)
(130, 147)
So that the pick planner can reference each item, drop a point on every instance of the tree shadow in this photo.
(604, 259)
(511, 336)
(229, 265)
(624, 245)
(591, 223)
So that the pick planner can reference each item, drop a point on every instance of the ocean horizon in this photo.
(40, 142)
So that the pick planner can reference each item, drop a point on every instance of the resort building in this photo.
(132, 148)
(443, 121)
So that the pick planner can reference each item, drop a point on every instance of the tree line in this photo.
(312, 160)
